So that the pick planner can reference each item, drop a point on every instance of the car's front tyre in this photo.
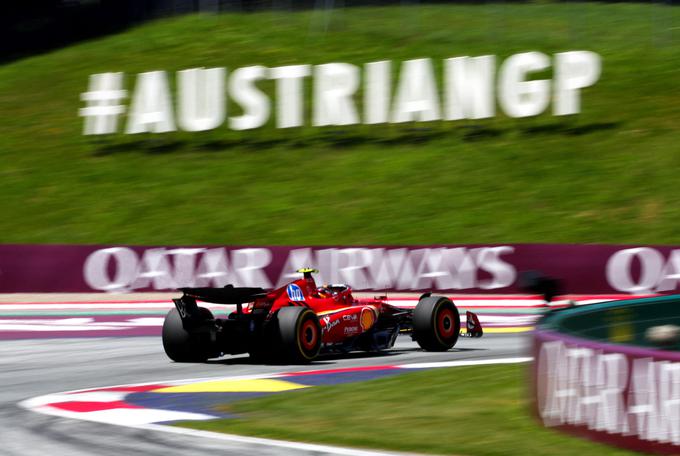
(436, 323)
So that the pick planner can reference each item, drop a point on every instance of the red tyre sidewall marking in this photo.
(308, 346)
(442, 316)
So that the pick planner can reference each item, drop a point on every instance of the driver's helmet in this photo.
(324, 292)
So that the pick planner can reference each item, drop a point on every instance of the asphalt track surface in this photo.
(34, 367)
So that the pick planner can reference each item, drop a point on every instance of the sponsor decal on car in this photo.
(329, 324)
(294, 293)
(350, 330)
(368, 317)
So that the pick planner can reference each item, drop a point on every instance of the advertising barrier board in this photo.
(453, 268)
(616, 394)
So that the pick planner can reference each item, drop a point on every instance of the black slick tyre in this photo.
(183, 346)
(300, 333)
(436, 323)
(263, 348)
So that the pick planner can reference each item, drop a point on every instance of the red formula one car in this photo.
(296, 322)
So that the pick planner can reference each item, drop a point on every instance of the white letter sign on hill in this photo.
(573, 71)
(201, 105)
(103, 103)
(469, 87)
(289, 94)
(377, 92)
(254, 102)
(517, 96)
(151, 105)
(416, 97)
(334, 87)
(467, 91)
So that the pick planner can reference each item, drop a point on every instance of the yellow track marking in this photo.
(258, 385)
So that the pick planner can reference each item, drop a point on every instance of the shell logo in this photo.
(368, 318)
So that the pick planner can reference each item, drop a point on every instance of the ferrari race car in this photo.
(296, 322)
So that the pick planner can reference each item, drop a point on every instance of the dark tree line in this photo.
(33, 26)
(29, 27)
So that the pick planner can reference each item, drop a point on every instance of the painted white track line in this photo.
(473, 362)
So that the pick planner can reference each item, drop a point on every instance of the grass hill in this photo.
(606, 175)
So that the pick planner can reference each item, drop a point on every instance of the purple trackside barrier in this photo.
(617, 394)
(586, 269)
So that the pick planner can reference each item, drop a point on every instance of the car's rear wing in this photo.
(188, 309)
(226, 295)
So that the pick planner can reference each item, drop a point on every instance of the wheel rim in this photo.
(446, 325)
(309, 335)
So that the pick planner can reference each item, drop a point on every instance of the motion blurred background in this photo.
(607, 174)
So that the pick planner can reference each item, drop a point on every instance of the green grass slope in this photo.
(607, 175)
(437, 411)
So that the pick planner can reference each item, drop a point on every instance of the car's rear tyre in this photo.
(300, 333)
(436, 323)
(183, 346)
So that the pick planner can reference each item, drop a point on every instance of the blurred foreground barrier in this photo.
(599, 375)
(582, 269)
